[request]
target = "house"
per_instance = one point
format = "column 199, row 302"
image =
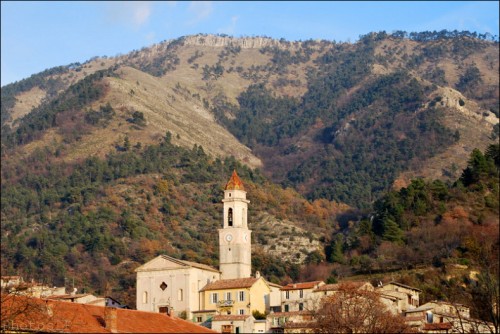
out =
column 408, row 297
column 299, row 296
column 295, row 321
column 274, row 297
column 444, row 317
column 111, row 302
column 233, row 323
column 81, row 298
column 16, row 284
column 330, row 289
column 21, row 314
column 237, row 296
column 10, row 281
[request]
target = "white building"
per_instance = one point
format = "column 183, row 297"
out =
column 165, row 283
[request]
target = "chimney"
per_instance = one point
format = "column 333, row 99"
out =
column 110, row 319
column 171, row 312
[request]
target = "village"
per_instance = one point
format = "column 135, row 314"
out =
column 176, row 296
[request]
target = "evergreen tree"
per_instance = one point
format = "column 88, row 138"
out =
column 392, row 232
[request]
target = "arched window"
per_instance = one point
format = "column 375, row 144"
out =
column 145, row 297
column 230, row 217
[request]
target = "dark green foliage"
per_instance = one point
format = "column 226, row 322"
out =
column 137, row 118
column 101, row 117
column 468, row 81
column 480, row 166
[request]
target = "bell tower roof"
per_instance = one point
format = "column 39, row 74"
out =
column 234, row 183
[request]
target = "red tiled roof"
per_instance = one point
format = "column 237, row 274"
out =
column 335, row 287
column 230, row 317
column 43, row 315
column 438, row 326
column 299, row 286
column 234, row 183
column 234, row 283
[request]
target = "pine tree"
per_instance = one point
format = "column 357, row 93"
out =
column 392, row 232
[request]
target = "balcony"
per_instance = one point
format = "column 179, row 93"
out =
column 225, row 303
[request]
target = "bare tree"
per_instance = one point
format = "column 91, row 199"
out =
column 352, row 310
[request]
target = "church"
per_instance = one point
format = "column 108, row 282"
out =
column 228, row 295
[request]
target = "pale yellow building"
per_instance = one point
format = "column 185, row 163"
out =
column 237, row 296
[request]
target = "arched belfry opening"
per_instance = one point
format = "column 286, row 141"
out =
column 230, row 217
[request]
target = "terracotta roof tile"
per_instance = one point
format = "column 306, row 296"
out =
column 335, row 287
column 234, row 283
column 45, row 315
column 234, row 183
column 438, row 326
column 299, row 286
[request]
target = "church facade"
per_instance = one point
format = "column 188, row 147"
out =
column 165, row 284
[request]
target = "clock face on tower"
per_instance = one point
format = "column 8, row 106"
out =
column 229, row 237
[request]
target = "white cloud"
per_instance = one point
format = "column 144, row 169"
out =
column 141, row 12
column 136, row 13
column 200, row 11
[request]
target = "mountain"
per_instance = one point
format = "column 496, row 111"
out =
column 390, row 107
column 108, row 163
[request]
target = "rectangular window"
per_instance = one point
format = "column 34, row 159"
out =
column 180, row 295
column 301, row 293
column 286, row 308
column 241, row 311
column 287, row 294
column 301, row 307
column 228, row 295
column 241, row 296
column 199, row 319
column 214, row 298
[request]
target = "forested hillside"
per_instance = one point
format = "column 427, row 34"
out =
column 352, row 155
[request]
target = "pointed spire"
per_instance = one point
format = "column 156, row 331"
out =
column 234, row 183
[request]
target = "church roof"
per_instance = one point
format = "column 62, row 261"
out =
column 199, row 265
column 234, row 183
column 234, row 283
column 165, row 262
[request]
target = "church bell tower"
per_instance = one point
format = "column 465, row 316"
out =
column 234, row 236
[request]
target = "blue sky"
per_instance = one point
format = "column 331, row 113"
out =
column 42, row 34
